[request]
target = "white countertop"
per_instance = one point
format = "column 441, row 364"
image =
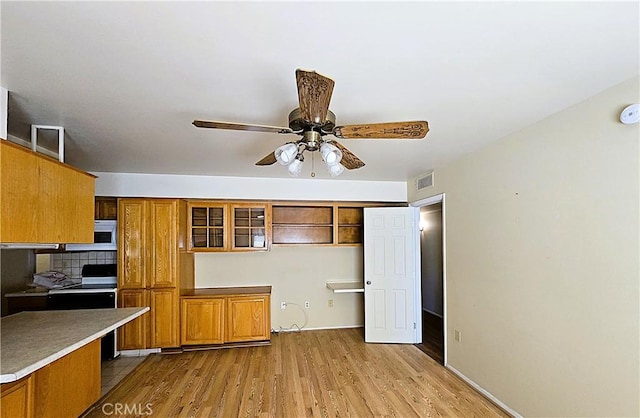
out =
column 31, row 340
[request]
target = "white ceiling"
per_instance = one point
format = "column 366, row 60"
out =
column 126, row 79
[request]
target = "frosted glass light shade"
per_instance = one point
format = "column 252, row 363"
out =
column 330, row 154
column 286, row 153
column 295, row 167
column 335, row 169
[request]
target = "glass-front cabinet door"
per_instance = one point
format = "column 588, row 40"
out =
column 250, row 227
column 207, row 227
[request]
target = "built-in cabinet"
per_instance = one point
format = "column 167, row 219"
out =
column 151, row 268
column 245, row 226
column 318, row 224
column 229, row 226
column 43, row 200
column 226, row 315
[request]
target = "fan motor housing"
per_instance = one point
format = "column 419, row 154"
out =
column 297, row 122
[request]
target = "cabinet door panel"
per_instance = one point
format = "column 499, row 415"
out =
column 202, row 321
column 131, row 244
column 20, row 187
column 248, row 318
column 69, row 385
column 164, row 318
column 70, row 197
column 16, row 398
column 133, row 335
column 162, row 241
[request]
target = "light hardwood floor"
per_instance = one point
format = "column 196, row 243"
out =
column 312, row 373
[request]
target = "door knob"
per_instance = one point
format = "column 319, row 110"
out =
column 368, row 281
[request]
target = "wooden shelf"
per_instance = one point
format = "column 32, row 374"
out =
column 346, row 287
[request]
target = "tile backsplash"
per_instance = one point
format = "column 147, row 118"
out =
column 71, row 263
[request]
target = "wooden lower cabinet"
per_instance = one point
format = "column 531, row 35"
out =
column 164, row 318
column 63, row 389
column 70, row 385
column 219, row 319
column 133, row 335
column 248, row 318
column 202, row 321
column 16, row 398
column 156, row 329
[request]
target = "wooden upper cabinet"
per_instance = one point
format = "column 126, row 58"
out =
column 162, row 243
column 318, row 224
column 350, row 226
column 147, row 243
column 43, row 200
column 224, row 226
column 302, row 224
column 106, row 208
column 250, row 227
column 208, row 226
column 131, row 243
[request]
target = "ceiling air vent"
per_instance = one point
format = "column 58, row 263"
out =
column 425, row 181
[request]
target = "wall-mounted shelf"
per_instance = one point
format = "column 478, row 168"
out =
column 346, row 287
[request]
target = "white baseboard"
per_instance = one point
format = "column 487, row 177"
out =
column 317, row 328
column 485, row 393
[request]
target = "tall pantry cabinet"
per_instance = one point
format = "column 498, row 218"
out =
column 152, row 264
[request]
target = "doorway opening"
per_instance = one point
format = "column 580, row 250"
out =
column 432, row 278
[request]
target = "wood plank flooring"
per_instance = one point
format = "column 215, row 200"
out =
column 327, row 373
column 432, row 337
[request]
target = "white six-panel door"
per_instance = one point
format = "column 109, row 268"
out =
column 391, row 275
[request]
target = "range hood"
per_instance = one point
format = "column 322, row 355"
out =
column 29, row 246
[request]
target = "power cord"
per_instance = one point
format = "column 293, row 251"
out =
column 298, row 328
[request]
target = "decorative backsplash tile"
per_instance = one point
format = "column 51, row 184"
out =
column 71, row 263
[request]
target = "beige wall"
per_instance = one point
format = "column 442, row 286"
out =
column 542, row 262
column 297, row 274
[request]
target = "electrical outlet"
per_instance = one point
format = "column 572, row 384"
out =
column 331, row 303
column 306, row 304
column 457, row 335
column 283, row 305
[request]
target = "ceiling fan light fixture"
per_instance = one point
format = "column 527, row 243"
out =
column 286, row 153
column 296, row 166
column 330, row 154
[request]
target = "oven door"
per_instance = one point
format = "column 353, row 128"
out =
column 80, row 300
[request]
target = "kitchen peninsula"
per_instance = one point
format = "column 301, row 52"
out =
column 45, row 353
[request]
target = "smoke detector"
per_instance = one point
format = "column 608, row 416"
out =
column 630, row 114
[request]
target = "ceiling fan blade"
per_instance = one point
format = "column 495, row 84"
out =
column 241, row 127
column 390, row 130
column 349, row 160
column 314, row 95
column 268, row 160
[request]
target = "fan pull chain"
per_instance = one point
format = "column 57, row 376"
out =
column 313, row 159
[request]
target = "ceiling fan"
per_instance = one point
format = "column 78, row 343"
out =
column 314, row 122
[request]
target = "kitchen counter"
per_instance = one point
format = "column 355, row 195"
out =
column 32, row 340
column 222, row 291
column 36, row 291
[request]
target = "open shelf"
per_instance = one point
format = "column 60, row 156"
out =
column 346, row 287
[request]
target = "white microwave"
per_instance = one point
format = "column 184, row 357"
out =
column 104, row 238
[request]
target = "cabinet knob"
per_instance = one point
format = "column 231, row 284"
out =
column 368, row 281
